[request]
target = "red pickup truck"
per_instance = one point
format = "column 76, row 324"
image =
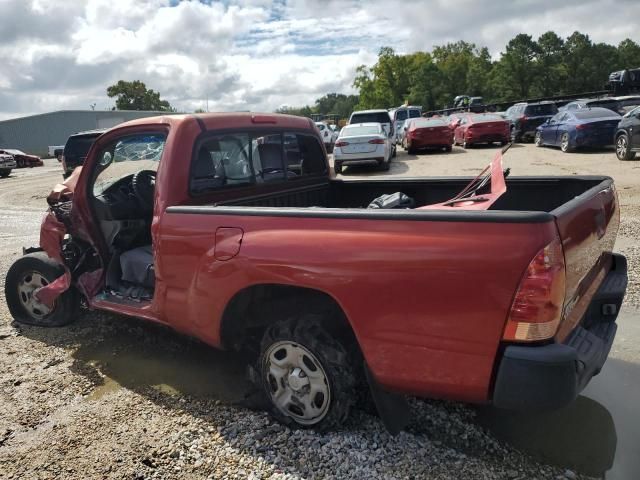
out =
column 231, row 228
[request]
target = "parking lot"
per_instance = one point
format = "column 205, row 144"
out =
column 112, row 397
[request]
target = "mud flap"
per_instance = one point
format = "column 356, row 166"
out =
column 393, row 408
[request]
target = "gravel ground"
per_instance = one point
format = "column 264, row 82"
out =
column 110, row 397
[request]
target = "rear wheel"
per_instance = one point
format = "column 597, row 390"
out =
column 20, row 163
column 448, row 148
column 306, row 374
column 4, row 173
column 565, row 145
column 623, row 150
column 337, row 167
column 465, row 144
column 26, row 275
column 538, row 139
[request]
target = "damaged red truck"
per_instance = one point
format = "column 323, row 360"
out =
column 230, row 228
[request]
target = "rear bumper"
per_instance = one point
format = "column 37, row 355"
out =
column 551, row 376
column 487, row 137
column 367, row 161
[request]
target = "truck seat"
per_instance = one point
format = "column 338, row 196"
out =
column 137, row 266
column 271, row 161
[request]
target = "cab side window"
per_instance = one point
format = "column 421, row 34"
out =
column 220, row 161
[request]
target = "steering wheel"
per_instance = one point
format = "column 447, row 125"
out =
column 144, row 185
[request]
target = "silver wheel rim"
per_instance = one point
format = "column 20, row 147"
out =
column 27, row 285
column 297, row 383
column 538, row 140
column 564, row 145
column 621, row 147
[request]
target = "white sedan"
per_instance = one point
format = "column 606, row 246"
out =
column 362, row 144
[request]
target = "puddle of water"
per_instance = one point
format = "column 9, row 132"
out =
column 109, row 386
column 194, row 370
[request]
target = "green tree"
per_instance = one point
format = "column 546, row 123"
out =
column 578, row 51
column 517, row 67
column 551, row 72
column 136, row 96
column 628, row 54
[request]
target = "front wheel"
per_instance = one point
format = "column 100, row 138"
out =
column 538, row 139
column 306, row 374
column 25, row 276
column 623, row 152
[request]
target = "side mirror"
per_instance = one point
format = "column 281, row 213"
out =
column 106, row 159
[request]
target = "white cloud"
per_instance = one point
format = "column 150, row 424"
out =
column 252, row 54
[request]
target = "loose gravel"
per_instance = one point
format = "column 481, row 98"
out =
column 110, row 397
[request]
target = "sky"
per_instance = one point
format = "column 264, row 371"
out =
column 253, row 55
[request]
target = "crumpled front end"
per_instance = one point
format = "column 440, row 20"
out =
column 61, row 242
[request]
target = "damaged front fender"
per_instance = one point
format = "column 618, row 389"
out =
column 52, row 232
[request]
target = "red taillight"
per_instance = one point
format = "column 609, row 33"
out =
column 537, row 307
column 341, row 143
column 377, row 141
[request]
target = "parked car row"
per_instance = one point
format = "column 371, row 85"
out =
column 7, row 163
column 22, row 159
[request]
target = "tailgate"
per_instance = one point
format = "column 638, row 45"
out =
column 588, row 225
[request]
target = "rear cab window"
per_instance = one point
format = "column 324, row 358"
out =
column 252, row 158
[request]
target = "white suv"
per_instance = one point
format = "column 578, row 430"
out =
column 327, row 136
column 376, row 116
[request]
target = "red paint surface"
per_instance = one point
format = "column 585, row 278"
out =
column 476, row 131
column 425, row 137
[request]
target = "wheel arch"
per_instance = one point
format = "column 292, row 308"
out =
column 253, row 308
column 620, row 133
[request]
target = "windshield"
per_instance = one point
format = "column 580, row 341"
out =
column 596, row 112
column 401, row 115
column 381, row 117
column 78, row 147
column 360, row 130
column 541, row 110
column 127, row 156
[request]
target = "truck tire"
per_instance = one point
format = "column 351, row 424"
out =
column 24, row 276
column 623, row 150
column 307, row 375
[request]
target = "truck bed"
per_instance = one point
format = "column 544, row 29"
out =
column 531, row 194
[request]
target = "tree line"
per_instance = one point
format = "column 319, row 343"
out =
column 527, row 68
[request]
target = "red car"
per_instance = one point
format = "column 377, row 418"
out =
column 23, row 159
column 472, row 129
column 231, row 228
column 424, row 133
